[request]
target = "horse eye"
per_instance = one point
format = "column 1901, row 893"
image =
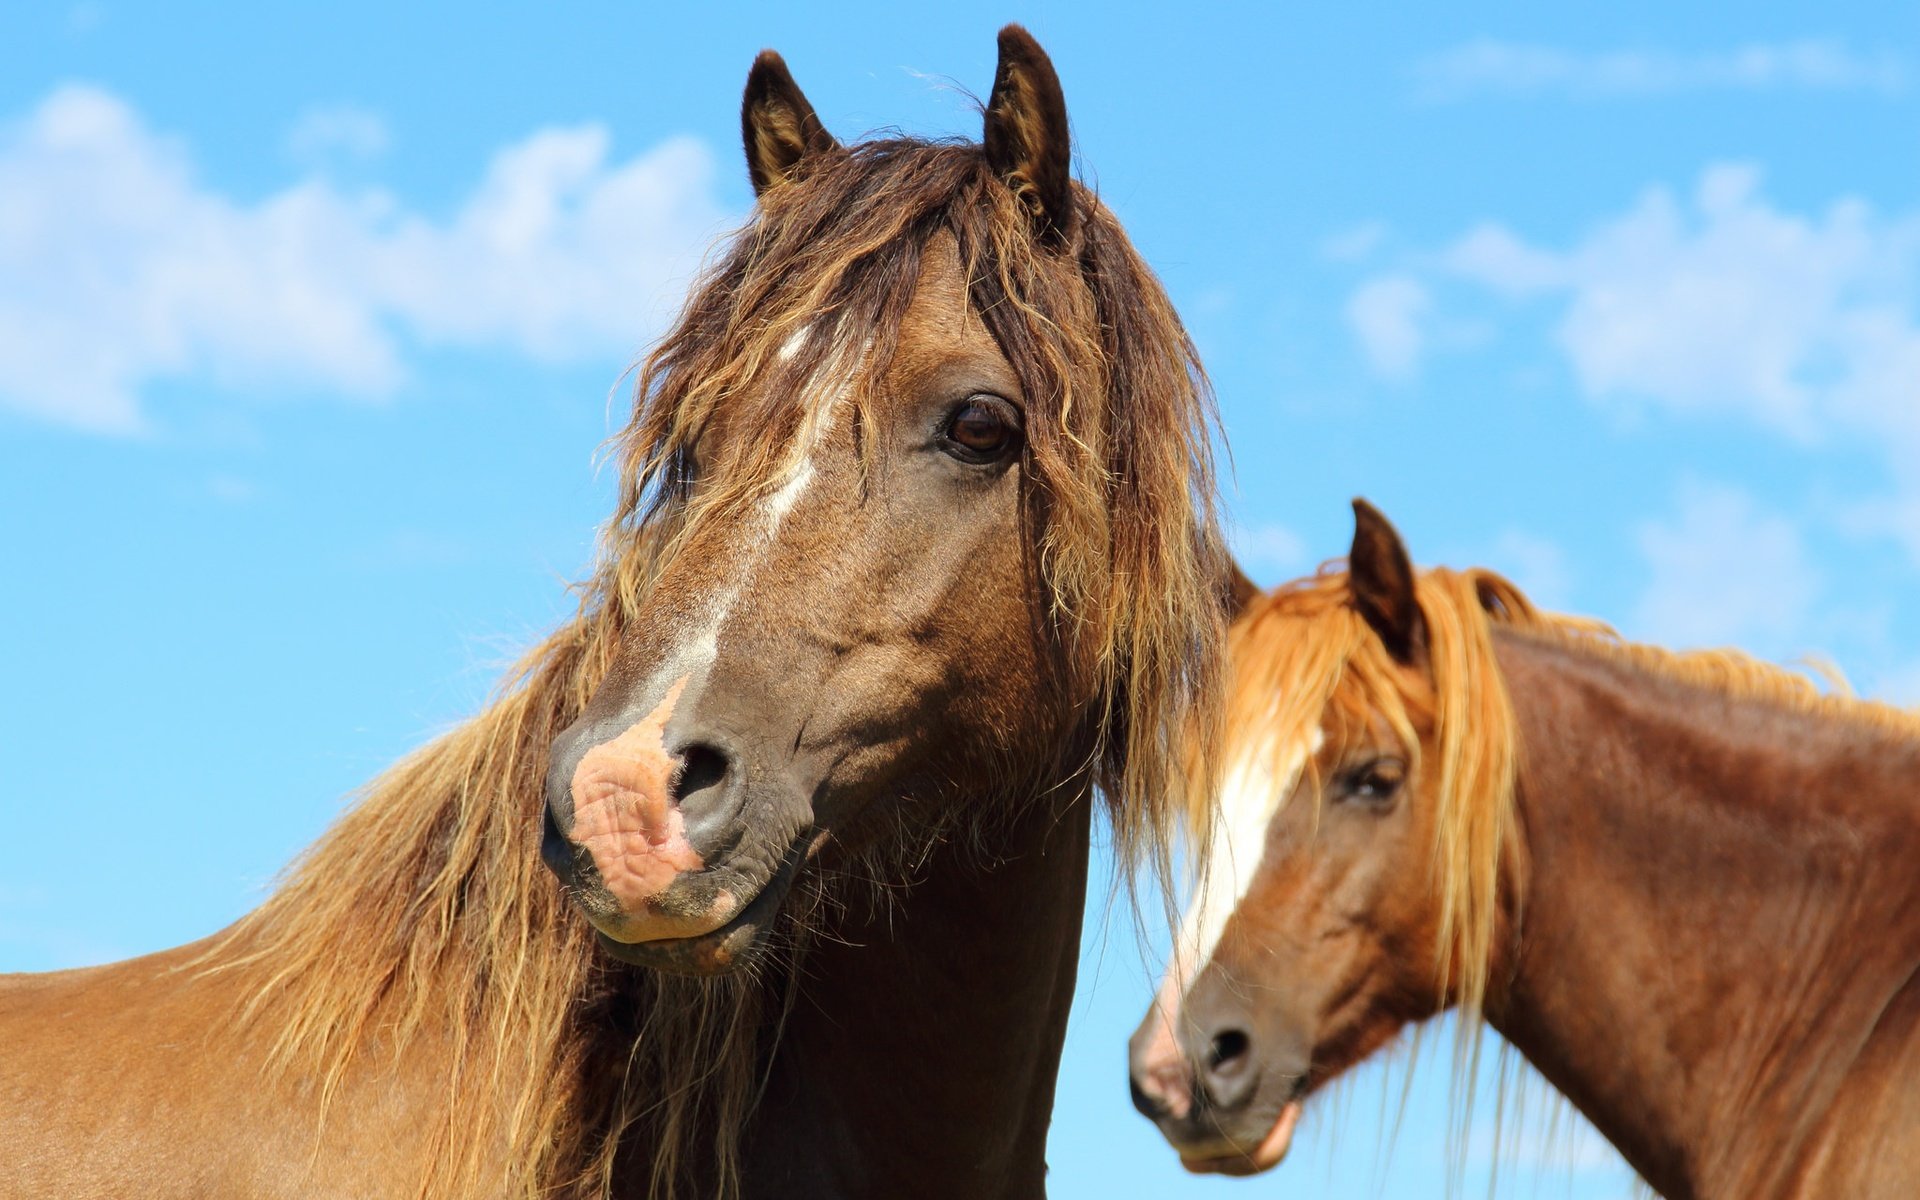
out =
column 1377, row 782
column 981, row 430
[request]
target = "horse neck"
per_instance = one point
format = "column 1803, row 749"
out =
column 919, row 1055
column 1688, row 966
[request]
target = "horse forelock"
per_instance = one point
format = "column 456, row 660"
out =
column 424, row 912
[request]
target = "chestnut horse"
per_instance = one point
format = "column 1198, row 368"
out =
column 1686, row 887
column 915, row 550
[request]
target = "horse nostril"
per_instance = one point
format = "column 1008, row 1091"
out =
column 1227, row 1053
column 701, row 767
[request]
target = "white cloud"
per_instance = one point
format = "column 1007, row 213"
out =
column 1489, row 66
column 337, row 130
column 1492, row 256
column 1719, row 304
column 1729, row 304
column 1537, row 565
column 1268, row 553
column 1356, row 242
column 232, row 489
column 1724, row 572
column 1388, row 316
column 119, row 267
column 1897, row 683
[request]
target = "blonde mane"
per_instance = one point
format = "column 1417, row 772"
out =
column 1302, row 659
column 424, row 917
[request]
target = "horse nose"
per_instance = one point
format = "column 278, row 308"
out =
column 1225, row 1066
column 707, row 790
column 1159, row 1077
column 1146, row 1101
column 635, row 804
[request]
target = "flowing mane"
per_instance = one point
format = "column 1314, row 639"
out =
column 1302, row 658
column 424, row 913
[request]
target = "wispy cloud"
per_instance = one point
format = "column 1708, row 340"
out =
column 1489, row 67
column 1356, row 243
column 120, row 267
column 35, row 936
column 1729, row 303
column 333, row 131
column 1388, row 315
column 1725, row 572
column 1718, row 304
column 1537, row 565
column 1268, row 553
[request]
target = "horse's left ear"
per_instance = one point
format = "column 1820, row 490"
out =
column 778, row 124
column 1381, row 576
column 1027, row 142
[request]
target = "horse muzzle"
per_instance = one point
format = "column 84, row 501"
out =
column 648, row 830
column 1202, row 1076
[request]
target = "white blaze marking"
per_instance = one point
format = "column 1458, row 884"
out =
column 701, row 644
column 781, row 500
column 796, row 342
column 1250, row 799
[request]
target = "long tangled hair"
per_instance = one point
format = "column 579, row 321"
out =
column 424, row 915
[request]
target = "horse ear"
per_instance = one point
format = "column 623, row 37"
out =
column 1027, row 142
column 1240, row 591
column 1381, row 577
column 777, row 124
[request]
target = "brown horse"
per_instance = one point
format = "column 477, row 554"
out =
column 915, row 550
column 1685, row 887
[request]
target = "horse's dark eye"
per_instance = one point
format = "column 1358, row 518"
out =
column 984, row 429
column 1376, row 783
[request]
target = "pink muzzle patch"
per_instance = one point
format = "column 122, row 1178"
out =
column 1160, row 1068
column 624, row 813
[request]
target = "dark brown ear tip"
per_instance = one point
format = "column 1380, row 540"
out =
column 1363, row 510
column 769, row 70
column 1015, row 41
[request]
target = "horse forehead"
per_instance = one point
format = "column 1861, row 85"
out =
column 940, row 321
column 1261, row 777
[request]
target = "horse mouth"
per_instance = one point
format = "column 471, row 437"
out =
column 718, row 951
column 1263, row 1157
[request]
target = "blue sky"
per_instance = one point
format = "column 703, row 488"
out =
column 310, row 324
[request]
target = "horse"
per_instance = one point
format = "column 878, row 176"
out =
column 914, row 564
column 1681, row 885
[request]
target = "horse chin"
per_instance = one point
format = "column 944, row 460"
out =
column 721, row 951
column 1263, row 1157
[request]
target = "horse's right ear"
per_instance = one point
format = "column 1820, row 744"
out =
column 777, row 124
column 1381, row 577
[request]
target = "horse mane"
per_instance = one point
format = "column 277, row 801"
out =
column 424, row 913
column 1302, row 658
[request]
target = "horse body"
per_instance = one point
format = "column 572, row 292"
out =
column 915, row 550
column 1682, row 885
column 918, row 1058
column 115, row 1082
column 1718, row 949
